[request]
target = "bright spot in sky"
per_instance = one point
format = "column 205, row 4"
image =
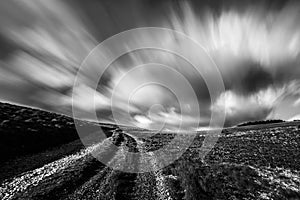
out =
column 142, row 119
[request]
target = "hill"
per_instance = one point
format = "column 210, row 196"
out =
column 43, row 158
column 26, row 130
column 271, row 121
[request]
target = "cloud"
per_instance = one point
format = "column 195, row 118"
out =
column 297, row 102
column 256, row 33
column 255, row 106
column 296, row 117
column 256, row 48
column 239, row 108
column 249, row 78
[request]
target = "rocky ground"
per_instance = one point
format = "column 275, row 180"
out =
column 43, row 158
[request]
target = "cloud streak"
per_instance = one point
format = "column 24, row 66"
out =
column 255, row 47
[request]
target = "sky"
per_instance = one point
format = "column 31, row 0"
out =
column 255, row 46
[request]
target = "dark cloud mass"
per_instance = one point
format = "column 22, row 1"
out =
column 250, row 78
column 254, row 44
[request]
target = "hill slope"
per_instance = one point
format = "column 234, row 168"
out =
column 44, row 159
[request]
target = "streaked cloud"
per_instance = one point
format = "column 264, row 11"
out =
column 255, row 47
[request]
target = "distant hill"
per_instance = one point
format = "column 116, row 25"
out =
column 271, row 121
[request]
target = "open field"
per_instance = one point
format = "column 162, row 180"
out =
column 51, row 163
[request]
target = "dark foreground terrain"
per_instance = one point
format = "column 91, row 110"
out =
column 43, row 158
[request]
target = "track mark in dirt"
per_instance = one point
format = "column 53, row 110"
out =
column 103, row 184
column 31, row 162
column 161, row 187
column 153, row 181
column 47, row 180
column 127, row 180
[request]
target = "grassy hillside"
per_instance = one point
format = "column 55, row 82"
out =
column 27, row 131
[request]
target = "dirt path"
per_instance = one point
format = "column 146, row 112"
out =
column 63, row 173
column 81, row 176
